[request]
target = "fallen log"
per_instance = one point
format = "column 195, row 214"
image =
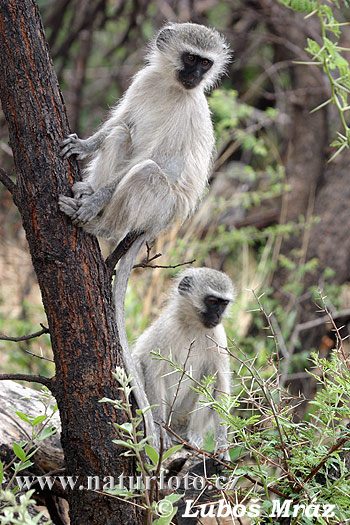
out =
column 16, row 397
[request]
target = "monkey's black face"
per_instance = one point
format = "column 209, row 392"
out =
column 194, row 67
column 214, row 309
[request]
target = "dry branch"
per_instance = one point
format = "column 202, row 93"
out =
column 44, row 330
column 46, row 381
column 7, row 182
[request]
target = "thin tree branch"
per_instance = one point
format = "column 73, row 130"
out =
column 122, row 248
column 312, row 324
column 7, row 182
column 28, row 377
column 26, row 337
column 171, row 409
column 149, row 259
column 38, row 356
column 145, row 265
column 335, row 447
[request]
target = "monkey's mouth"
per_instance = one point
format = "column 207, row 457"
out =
column 210, row 323
column 188, row 84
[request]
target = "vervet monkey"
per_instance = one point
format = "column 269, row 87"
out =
column 151, row 159
column 190, row 330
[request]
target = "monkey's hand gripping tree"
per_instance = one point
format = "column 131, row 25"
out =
column 72, row 276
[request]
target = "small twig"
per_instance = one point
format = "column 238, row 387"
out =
column 145, row 265
column 313, row 324
column 183, row 374
column 335, row 447
column 125, row 244
column 38, row 356
column 149, row 259
column 7, row 182
column 26, row 337
column 270, row 326
column 339, row 346
column 47, row 381
column 295, row 335
column 279, row 336
column 148, row 248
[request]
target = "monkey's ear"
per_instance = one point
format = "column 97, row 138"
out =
column 164, row 37
column 185, row 285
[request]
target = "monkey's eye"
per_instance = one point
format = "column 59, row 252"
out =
column 206, row 64
column 190, row 59
column 212, row 300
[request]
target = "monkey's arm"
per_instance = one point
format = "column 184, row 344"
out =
column 73, row 145
column 82, row 148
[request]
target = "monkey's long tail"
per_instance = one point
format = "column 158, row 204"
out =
column 120, row 284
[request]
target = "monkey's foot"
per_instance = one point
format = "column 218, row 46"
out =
column 82, row 189
column 68, row 205
column 73, row 145
column 87, row 209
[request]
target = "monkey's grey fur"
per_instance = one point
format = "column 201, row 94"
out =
column 151, row 159
column 178, row 329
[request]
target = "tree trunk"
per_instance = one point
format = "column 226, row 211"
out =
column 71, row 273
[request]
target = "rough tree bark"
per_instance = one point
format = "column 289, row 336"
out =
column 71, row 273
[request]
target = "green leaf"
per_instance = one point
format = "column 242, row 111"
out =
column 124, row 444
column 38, row 420
column 25, row 465
column 47, row 432
column 18, row 450
column 165, row 520
column 127, row 427
column 173, row 498
column 171, row 451
column 152, row 454
column 24, row 417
